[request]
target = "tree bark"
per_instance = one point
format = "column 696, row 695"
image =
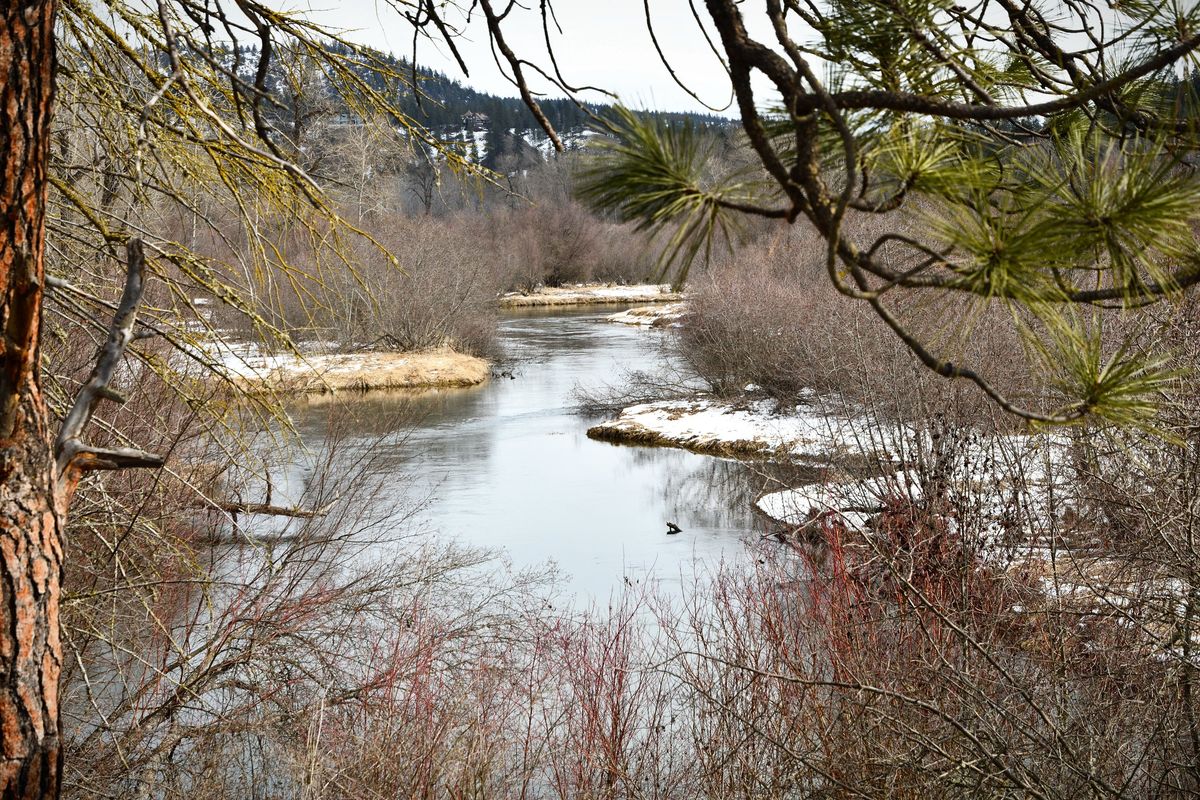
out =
column 32, row 504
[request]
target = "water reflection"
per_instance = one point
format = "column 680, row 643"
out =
column 508, row 464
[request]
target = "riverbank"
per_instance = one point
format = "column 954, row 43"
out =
column 334, row 372
column 751, row 428
column 584, row 295
column 1010, row 503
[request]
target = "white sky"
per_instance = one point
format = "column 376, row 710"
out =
column 603, row 43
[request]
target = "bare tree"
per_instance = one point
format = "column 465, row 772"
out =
column 32, row 502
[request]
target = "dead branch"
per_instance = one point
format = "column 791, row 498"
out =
column 72, row 455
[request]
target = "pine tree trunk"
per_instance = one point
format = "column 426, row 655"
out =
column 31, row 508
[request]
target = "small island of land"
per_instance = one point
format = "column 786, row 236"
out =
column 751, row 428
column 440, row 368
column 317, row 374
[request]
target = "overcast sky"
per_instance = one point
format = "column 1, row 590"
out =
column 602, row 43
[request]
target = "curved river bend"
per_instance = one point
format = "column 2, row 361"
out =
column 508, row 465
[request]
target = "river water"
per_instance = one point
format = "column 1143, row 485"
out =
column 508, row 465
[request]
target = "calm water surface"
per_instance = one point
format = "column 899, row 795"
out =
column 508, row 465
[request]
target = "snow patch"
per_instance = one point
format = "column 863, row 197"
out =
column 584, row 294
column 658, row 316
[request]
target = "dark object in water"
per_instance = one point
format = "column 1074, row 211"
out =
column 673, row 528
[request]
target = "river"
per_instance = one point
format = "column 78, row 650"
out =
column 507, row 465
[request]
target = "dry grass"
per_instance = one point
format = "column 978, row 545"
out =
column 365, row 371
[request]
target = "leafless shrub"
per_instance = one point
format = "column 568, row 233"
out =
column 424, row 282
column 766, row 315
column 555, row 244
column 418, row 284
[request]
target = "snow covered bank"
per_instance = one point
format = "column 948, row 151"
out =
column 591, row 295
column 1016, row 517
column 658, row 316
column 320, row 373
column 1011, row 483
column 751, row 429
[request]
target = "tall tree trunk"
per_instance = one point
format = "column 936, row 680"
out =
column 31, row 508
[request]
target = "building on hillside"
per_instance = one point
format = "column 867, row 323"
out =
column 475, row 121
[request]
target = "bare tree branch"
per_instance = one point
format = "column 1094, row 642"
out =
column 71, row 454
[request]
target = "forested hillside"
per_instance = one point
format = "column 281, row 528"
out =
column 490, row 127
